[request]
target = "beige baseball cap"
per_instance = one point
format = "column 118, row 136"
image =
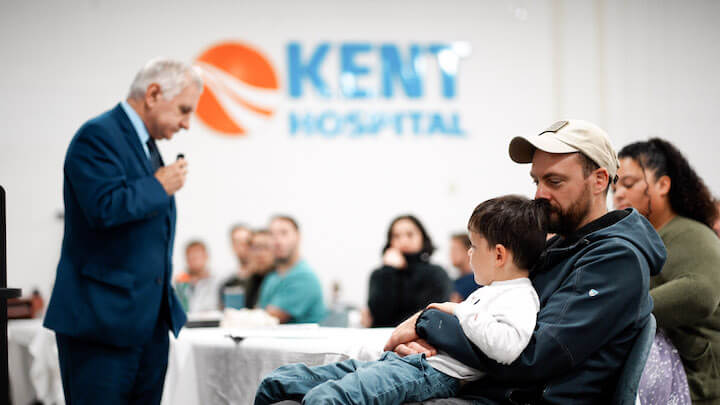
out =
column 567, row 137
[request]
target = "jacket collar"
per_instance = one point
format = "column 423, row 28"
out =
column 131, row 136
column 558, row 247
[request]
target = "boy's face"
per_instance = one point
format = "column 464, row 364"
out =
column 482, row 259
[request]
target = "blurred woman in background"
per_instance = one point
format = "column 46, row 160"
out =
column 407, row 281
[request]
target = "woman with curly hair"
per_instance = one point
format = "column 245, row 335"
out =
column 657, row 180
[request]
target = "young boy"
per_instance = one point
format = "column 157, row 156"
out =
column 507, row 235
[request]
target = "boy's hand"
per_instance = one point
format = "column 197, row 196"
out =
column 447, row 307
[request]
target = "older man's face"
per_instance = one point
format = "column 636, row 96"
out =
column 166, row 117
column 560, row 181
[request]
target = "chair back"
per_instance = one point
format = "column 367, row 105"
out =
column 627, row 388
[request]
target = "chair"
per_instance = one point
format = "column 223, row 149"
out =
column 627, row 388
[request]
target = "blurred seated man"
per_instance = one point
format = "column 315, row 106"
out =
column 292, row 293
column 196, row 287
column 464, row 285
column 240, row 239
column 262, row 262
column 232, row 290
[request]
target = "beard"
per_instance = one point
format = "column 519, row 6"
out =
column 565, row 222
column 282, row 260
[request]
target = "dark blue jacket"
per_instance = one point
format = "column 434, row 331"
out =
column 593, row 289
column 113, row 279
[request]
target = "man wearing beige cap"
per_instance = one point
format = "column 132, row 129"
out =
column 555, row 154
column 592, row 281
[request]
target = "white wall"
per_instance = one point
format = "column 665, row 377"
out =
column 636, row 68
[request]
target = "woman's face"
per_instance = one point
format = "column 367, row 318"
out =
column 406, row 237
column 632, row 188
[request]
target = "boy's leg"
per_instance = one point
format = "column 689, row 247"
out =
column 391, row 380
column 293, row 381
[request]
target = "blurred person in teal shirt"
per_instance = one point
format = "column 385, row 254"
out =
column 292, row 293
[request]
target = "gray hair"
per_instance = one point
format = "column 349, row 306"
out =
column 172, row 76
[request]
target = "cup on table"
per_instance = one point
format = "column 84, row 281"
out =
column 234, row 297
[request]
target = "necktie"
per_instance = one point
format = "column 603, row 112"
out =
column 155, row 158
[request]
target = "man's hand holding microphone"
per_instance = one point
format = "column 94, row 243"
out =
column 172, row 177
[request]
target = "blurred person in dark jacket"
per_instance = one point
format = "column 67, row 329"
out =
column 407, row 281
column 465, row 284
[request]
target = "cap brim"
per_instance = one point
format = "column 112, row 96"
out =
column 522, row 149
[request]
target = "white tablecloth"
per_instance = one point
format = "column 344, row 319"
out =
column 33, row 363
column 205, row 365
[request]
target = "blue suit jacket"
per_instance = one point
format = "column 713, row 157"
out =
column 113, row 279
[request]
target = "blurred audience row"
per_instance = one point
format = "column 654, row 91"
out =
column 271, row 275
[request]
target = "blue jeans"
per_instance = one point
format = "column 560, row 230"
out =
column 390, row 380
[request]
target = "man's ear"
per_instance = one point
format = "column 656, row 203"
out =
column 152, row 94
column 601, row 179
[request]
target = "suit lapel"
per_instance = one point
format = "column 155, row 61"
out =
column 131, row 137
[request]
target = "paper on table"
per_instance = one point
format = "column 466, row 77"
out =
column 204, row 316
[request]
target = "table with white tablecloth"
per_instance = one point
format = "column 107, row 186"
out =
column 205, row 366
column 33, row 363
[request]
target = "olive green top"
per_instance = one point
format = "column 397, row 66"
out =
column 686, row 295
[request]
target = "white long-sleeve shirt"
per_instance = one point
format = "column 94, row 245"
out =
column 499, row 319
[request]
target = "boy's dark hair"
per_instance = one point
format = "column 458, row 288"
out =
column 462, row 237
column 514, row 222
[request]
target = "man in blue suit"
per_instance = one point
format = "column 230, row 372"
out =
column 113, row 303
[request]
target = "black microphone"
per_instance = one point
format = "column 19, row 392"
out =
column 180, row 156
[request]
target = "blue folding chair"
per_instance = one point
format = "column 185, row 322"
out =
column 627, row 388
